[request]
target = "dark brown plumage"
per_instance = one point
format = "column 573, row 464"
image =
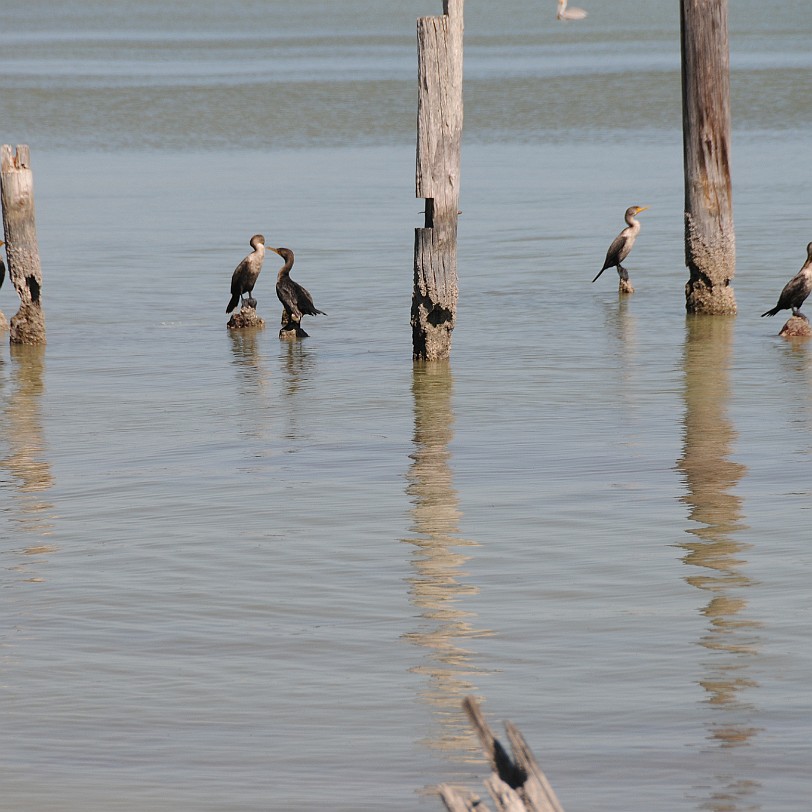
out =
column 797, row 290
column 295, row 299
column 622, row 244
column 246, row 273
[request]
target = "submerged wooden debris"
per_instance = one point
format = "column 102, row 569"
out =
column 517, row 784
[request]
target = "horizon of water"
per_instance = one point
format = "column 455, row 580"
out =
column 246, row 574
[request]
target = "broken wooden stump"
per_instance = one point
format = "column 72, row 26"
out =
column 796, row 327
column 517, row 784
column 246, row 317
column 439, row 136
column 291, row 327
column 625, row 286
column 25, row 273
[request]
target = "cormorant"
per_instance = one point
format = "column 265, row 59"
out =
column 796, row 290
column 246, row 274
column 622, row 244
column 295, row 299
column 565, row 13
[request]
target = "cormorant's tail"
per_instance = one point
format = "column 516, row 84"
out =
column 601, row 271
column 233, row 303
column 771, row 312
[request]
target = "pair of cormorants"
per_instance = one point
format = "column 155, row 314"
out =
column 296, row 301
column 794, row 294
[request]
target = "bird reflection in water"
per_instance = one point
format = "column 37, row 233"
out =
column 436, row 585
column 252, row 378
column 715, row 555
column 298, row 369
column 23, row 453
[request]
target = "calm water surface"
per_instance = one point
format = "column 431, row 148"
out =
column 241, row 574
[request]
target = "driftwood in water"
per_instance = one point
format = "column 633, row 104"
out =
column 710, row 244
column 245, row 317
column 517, row 784
column 439, row 135
column 17, row 192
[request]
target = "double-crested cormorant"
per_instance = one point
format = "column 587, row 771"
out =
column 796, row 290
column 622, row 244
column 246, row 274
column 572, row 13
column 295, row 299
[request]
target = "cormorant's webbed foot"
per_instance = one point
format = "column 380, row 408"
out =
column 622, row 273
column 797, row 312
column 251, row 302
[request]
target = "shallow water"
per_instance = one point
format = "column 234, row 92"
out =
column 244, row 574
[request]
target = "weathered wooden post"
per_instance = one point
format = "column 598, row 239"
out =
column 710, row 245
column 439, row 136
column 17, row 193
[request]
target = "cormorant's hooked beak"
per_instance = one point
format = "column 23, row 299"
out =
column 271, row 248
column 641, row 208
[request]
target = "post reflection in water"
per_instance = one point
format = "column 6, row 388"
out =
column 436, row 585
column 23, row 454
column 714, row 555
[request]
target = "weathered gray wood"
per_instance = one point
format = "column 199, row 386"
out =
column 17, row 194
column 439, row 136
column 516, row 785
column 710, row 245
column 460, row 800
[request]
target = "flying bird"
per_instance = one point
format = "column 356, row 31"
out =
column 246, row 274
column 796, row 290
column 295, row 299
column 571, row 13
column 622, row 244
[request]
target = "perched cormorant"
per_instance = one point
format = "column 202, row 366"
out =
column 295, row 299
column 246, row 274
column 565, row 13
column 2, row 267
column 796, row 290
column 622, row 244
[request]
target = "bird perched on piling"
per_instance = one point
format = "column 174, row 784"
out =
column 622, row 244
column 572, row 13
column 246, row 274
column 797, row 290
column 295, row 299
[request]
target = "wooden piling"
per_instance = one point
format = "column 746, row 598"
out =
column 17, row 194
column 439, row 136
column 710, row 245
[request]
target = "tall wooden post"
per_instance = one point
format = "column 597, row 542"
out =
column 439, row 136
column 710, row 245
column 17, row 194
